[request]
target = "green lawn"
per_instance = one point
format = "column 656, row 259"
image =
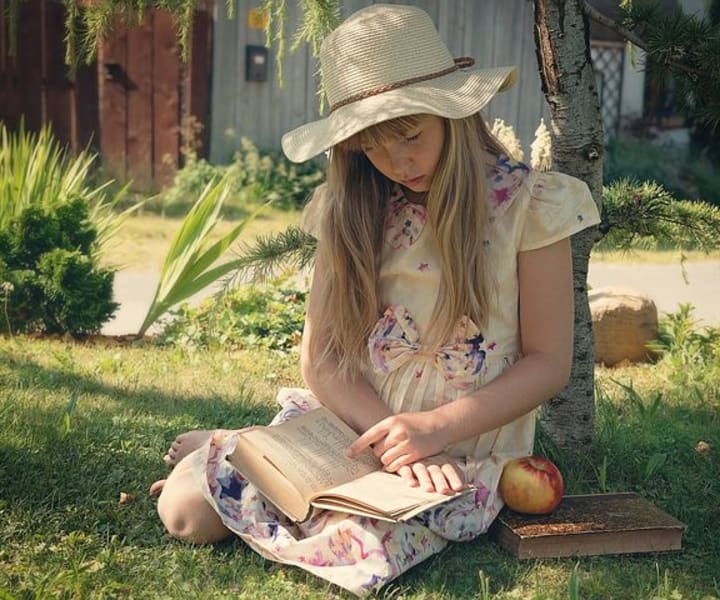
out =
column 143, row 239
column 81, row 424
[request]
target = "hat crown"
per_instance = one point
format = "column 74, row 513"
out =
column 379, row 46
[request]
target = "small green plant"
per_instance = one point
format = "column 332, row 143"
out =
column 693, row 352
column 7, row 289
column 574, row 584
column 269, row 316
column 484, row 585
column 35, row 170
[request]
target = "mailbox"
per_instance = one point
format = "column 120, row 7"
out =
column 256, row 63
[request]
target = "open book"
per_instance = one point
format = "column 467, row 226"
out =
column 302, row 464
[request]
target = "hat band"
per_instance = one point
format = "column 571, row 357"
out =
column 460, row 63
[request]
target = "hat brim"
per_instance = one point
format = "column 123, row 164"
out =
column 454, row 96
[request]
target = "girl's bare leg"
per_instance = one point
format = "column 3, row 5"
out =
column 183, row 509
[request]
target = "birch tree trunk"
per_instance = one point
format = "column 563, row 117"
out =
column 563, row 54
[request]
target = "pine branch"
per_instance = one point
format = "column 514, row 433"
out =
column 257, row 262
column 646, row 215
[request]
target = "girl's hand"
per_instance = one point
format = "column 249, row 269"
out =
column 439, row 473
column 401, row 439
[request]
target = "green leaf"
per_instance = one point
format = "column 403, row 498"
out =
column 187, row 268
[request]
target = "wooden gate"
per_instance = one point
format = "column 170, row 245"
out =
column 147, row 94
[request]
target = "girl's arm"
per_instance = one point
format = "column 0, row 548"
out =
column 546, row 330
column 355, row 402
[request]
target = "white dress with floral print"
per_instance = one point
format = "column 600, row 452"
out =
column 528, row 210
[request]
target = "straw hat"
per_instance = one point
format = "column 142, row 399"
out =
column 388, row 61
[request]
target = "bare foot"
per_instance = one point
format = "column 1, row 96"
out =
column 157, row 487
column 184, row 444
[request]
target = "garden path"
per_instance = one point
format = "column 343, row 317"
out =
column 663, row 283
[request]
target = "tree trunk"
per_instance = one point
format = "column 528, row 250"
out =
column 563, row 54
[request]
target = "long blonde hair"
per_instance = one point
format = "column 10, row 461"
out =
column 351, row 237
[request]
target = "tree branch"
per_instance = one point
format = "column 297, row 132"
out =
column 630, row 36
column 606, row 21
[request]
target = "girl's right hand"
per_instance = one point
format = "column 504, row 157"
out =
column 439, row 473
column 402, row 439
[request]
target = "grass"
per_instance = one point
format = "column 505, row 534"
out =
column 651, row 256
column 81, row 424
column 143, row 239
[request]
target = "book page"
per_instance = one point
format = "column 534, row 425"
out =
column 385, row 493
column 310, row 451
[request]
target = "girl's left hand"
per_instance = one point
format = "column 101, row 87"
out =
column 439, row 473
column 401, row 439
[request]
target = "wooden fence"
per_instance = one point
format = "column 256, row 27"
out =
column 130, row 104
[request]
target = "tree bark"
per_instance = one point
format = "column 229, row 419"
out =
column 563, row 52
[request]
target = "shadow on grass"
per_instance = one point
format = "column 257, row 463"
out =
column 211, row 410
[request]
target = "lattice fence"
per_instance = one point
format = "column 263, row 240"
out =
column 608, row 59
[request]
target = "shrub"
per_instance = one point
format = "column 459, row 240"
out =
column 35, row 170
column 269, row 316
column 51, row 281
column 692, row 352
column 254, row 177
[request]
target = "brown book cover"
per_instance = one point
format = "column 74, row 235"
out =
column 591, row 524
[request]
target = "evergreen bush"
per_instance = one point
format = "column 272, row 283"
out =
column 51, row 282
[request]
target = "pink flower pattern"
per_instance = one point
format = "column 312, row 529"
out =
column 404, row 221
column 508, row 176
column 395, row 340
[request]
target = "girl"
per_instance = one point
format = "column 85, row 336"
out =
column 440, row 313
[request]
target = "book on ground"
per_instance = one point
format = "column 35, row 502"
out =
column 302, row 464
column 587, row 525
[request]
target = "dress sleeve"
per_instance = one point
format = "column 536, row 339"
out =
column 311, row 217
column 560, row 205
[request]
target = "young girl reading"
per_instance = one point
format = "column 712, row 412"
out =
column 440, row 313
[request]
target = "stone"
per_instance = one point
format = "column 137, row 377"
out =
column 624, row 321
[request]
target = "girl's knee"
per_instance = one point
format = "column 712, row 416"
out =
column 188, row 516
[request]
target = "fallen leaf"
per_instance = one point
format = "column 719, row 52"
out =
column 126, row 498
column 702, row 448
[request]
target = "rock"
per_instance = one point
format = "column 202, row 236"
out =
column 624, row 321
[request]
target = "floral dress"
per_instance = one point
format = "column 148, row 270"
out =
column 528, row 210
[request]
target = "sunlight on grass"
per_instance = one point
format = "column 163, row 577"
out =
column 143, row 240
column 65, row 533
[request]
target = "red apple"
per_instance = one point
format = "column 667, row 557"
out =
column 532, row 485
